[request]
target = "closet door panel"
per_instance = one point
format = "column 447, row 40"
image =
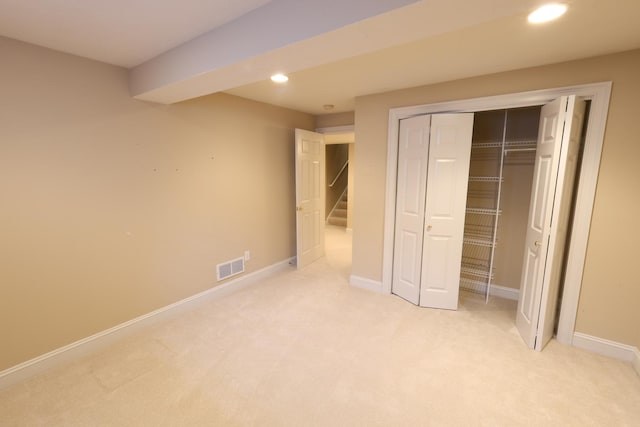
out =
column 547, row 157
column 554, row 174
column 529, row 271
column 567, row 169
column 407, row 267
column 413, row 154
column 413, row 199
column 445, row 175
column 448, row 175
column 436, row 266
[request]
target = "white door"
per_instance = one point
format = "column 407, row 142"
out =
column 310, row 180
column 557, row 151
column 448, row 176
column 413, row 159
column 433, row 171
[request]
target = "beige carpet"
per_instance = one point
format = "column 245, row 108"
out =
column 306, row 349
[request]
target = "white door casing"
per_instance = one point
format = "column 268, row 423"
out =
column 413, row 158
column 553, row 180
column 433, row 171
column 599, row 95
column 448, row 176
column 310, row 181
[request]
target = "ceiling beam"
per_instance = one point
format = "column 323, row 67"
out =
column 226, row 56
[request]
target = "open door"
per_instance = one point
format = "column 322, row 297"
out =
column 310, row 178
column 433, row 172
column 557, row 151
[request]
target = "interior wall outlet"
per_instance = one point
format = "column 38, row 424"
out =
column 247, row 255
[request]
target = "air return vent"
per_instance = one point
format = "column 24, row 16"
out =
column 230, row 268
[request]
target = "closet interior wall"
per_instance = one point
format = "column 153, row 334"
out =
column 500, row 178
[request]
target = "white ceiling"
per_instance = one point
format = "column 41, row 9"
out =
column 425, row 42
column 119, row 32
column 590, row 28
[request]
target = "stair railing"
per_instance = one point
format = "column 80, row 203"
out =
column 339, row 173
column 337, row 203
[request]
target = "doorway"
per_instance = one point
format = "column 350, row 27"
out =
column 337, row 184
column 324, row 178
column 598, row 94
column 339, row 153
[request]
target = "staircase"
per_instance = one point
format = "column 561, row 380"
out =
column 338, row 215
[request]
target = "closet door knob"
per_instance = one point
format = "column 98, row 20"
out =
column 429, row 228
column 538, row 244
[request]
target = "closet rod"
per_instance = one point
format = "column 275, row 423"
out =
column 485, row 178
column 480, row 211
column 498, row 144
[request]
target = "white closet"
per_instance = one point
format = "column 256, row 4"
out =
column 500, row 175
column 553, row 258
column 449, row 207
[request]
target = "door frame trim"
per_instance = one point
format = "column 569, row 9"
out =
column 599, row 94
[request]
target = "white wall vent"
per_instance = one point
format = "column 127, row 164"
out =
column 230, row 268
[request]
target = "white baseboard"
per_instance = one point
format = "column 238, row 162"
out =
column 496, row 290
column 608, row 348
column 368, row 284
column 102, row 339
column 504, row 292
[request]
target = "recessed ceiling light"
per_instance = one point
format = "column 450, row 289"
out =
column 547, row 13
column 279, row 78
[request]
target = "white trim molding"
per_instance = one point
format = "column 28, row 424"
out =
column 609, row 348
column 367, row 284
column 504, row 292
column 599, row 95
column 495, row 290
column 336, row 129
column 100, row 340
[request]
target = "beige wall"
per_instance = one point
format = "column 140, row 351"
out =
column 610, row 294
column 113, row 207
column 512, row 228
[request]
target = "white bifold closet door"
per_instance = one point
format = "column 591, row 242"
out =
column 554, row 173
column 433, row 172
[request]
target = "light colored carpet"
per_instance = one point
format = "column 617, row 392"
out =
column 306, row 349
